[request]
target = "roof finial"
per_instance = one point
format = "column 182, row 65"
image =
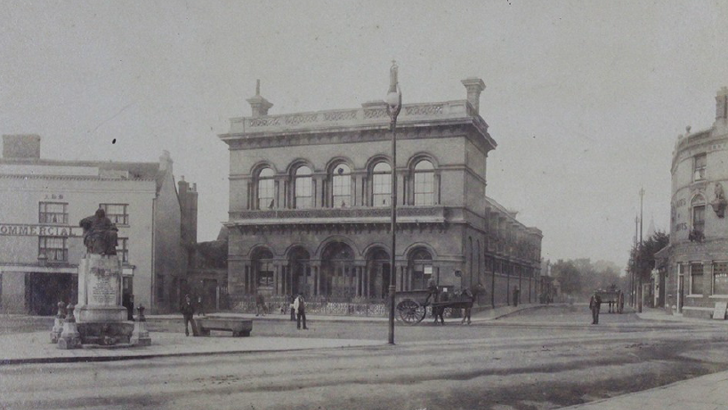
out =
column 257, row 87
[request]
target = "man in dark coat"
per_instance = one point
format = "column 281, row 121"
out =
column 300, row 305
column 188, row 311
column 595, row 303
column 260, row 308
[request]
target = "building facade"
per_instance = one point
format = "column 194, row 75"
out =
column 310, row 205
column 697, row 257
column 41, row 243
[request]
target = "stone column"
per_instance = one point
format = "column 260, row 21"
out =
column 248, row 279
column 316, row 280
column 408, row 278
column 359, row 281
column 365, row 282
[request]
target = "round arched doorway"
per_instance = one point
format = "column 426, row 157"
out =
column 420, row 264
column 300, row 271
column 378, row 270
column 337, row 272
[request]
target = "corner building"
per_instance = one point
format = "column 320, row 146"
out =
column 41, row 243
column 697, row 269
column 310, row 206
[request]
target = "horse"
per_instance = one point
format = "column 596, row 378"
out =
column 464, row 299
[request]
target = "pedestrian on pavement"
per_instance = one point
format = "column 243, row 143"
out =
column 468, row 309
column 259, row 305
column 127, row 300
column 300, row 306
column 595, row 303
column 439, row 311
column 293, row 309
column 516, row 295
column 200, row 310
column 188, row 311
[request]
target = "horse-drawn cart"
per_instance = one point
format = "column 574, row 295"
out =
column 412, row 304
column 614, row 298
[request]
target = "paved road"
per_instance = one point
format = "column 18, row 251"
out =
column 500, row 365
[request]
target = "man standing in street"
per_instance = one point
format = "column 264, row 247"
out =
column 188, row 311
column 595, row 303
column 259, row 305
column 201, row 311
column 516, row 295
column 300, row 306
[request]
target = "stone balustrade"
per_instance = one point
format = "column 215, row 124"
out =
column 369, row 114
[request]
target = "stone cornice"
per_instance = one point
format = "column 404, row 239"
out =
column 709, row 140
column 325, row 216
column 359, row 135
column 73, row 178
column 365, row 124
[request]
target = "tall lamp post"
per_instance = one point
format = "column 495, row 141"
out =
column 394, row 105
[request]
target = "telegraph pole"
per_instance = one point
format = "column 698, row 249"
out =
column 632, row 289
column 639, row 291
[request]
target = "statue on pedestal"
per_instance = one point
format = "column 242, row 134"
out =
column 99, row 234
column 719, row 203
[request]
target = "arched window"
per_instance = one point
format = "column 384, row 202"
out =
column 341, row 186
column 381, row 184
column 266, row 188
column 424, row 183
column 698, row 205
column 303, row 188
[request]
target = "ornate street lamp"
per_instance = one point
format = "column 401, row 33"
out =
column 394, row 105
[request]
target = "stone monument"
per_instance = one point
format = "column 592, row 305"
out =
column 70, row 338
column 101, row 318
column 140, row 335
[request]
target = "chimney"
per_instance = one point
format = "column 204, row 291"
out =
column 474, row 86
column 188, row 212
column 182, row 186
column 23, row 146
column 258, row 104
column 721, row 104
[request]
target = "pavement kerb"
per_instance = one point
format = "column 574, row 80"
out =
column 93, row 359
column 672, row 386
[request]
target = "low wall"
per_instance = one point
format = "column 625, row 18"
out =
column 322, row 306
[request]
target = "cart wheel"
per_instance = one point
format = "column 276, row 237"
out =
column 410, row 312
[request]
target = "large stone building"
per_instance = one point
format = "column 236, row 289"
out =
column 40, row 241
column 697, row 268
column 310, row 205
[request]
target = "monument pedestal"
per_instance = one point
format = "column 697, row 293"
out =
column 101, row 319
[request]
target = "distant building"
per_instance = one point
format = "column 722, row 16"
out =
column 310, row 205
column 697, row 257
column 41, row 243
column 207, row 274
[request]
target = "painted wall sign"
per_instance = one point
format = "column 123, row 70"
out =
column 40, row 230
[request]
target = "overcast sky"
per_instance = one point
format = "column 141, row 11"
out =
column 585, row 99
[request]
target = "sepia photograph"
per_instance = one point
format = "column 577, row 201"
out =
column 364, row 204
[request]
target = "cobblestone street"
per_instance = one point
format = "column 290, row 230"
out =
column 501, row 364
